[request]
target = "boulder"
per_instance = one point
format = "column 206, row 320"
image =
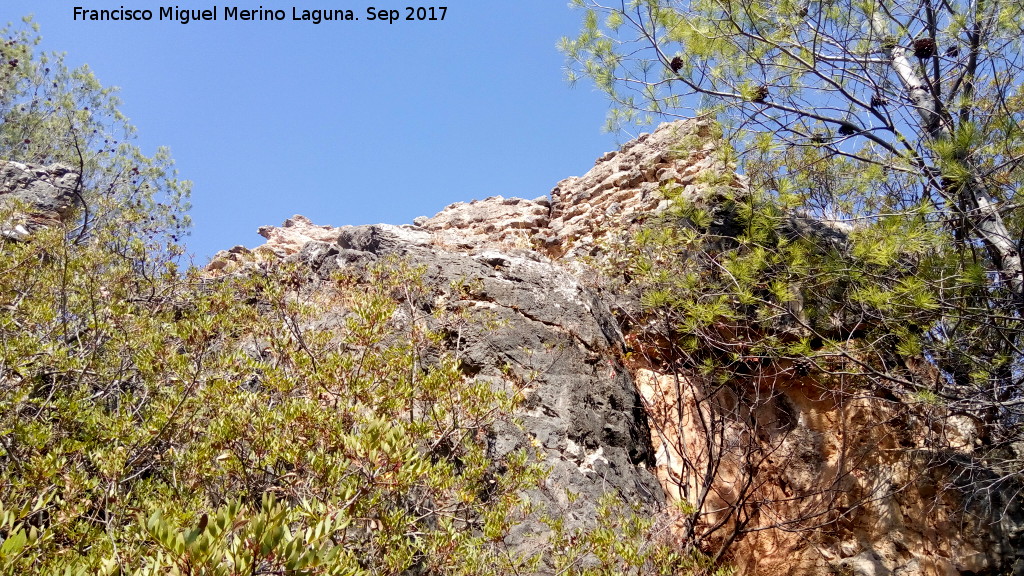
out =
column 33, row 196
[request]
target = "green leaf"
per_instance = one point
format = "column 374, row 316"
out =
column 13, row 544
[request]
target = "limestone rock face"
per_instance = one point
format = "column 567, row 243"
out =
column 494, row 222
column 530, row 326
column 845, row 485
column 623, row 188
column 294, row 234
column 41, row 195
column 626, row 186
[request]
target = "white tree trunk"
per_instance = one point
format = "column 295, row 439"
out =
column 983, row 212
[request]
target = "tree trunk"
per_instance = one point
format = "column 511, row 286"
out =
column 980, row 210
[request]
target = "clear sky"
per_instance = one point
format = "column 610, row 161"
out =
column 344, row 122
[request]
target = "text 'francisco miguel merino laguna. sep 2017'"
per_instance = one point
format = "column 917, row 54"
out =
column 261, row 14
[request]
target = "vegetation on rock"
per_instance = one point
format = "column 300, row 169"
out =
column 872, row 248
column 158, row 420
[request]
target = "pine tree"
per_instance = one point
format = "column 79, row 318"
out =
column 879, row 234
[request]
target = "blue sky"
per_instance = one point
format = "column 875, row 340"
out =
column 343, row 122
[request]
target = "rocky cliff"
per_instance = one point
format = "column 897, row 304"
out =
column 842, row 484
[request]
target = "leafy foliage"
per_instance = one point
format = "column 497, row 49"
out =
column 52, row 114
column 155, row 420
column 874, row 245
column 914, row 103
column 746, row 303
column 144, row 405
column 894, row 125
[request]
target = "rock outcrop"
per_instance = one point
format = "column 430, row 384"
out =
column 36, row 196
column 844, row 482
column 624, row 187
column 845, row 486
column 530, row 327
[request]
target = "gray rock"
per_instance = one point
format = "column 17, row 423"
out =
column 40, row 195
column 532, row 326
column 45, row 189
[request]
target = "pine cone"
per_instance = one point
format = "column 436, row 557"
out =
column 924, row 47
